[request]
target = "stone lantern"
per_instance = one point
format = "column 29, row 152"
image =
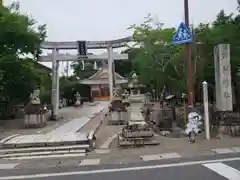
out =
column 35, row 111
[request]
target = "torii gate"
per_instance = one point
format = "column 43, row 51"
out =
column 55, row 57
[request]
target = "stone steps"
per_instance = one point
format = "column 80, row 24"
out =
column 38, row 140
column 36, row 149
column 61, row 142
column 44, row 152
column 50, row 156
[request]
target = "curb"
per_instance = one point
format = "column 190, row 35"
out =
column 91, row 118
column 91, row 135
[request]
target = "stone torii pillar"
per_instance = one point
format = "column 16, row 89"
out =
column 55, row 84
column 110, row 70
column 55, row 57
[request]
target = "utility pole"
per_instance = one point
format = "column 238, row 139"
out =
column 189, row 59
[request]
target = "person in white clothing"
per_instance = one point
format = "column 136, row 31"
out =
column 192, row 129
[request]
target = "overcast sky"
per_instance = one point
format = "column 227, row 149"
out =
column 71, row 20
column 108, row 19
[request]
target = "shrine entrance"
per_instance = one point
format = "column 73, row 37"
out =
column 55, row 57
column 100, row 92
column 104, row 93
column 99, row 83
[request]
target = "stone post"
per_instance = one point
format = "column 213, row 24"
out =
column 223, row 77
column 206, row 112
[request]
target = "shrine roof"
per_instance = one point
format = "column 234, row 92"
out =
column 103, row 74
column 89, row 82
column 101, row 77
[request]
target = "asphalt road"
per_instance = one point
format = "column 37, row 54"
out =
column 220, row 167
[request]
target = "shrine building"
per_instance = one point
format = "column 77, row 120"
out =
column 99, row 84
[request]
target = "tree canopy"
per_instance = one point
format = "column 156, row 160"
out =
column 20, row 40
column 167, row 63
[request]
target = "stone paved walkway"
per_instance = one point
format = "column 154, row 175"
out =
column 15, row 126
column 65, row 133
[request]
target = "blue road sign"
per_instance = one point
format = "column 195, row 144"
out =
column 183, row 35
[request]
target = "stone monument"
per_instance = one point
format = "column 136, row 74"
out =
column 35, row 111
column 78, row 99
column 223, row 77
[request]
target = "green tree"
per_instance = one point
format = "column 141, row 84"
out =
column 224, row 30
column 19, row 38
column 156, row 61
column 159, row 63
column 83, row 72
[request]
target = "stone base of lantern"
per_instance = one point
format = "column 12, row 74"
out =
column 35, row 120
column 77, row 103
column 118, row 118
column 137, row 98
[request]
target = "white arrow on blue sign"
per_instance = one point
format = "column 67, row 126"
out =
column 183, row 35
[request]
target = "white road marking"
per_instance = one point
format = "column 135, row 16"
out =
column 224, row 170
column 223, row 150
column 89, row 162
column 151, row 157
column 170, row 155
column 8, row 166
column 117, row 169
column 160, row 156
